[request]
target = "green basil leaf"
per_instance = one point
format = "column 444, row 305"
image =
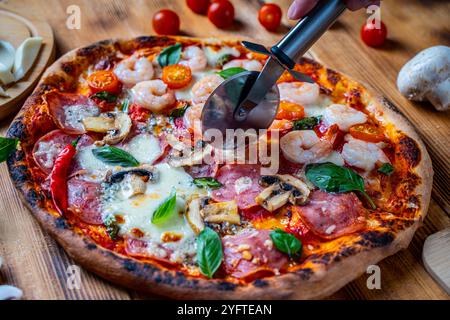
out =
column 306, row 123
column 7, row 146
column 209, row 252
column 227, row 73
column 207, row 182
column 223, row 59
column 112, row 227
column 125, row 105
column 386, row 169
column 286, row 242
column 333, row 178
column 165, row 210
column 178, row 112
column 170, row 55
column 115, row 156
column 105, row 95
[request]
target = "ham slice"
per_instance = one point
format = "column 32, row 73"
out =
column 240, row 183
column 251, row 254
column 68, row 109
column 332, row 215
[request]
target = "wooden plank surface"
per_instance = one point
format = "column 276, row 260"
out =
column 35, row 263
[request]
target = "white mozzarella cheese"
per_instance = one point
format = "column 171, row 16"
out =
column 95, row 168
column 213, row 55
column 137, row 211
column 144, row 147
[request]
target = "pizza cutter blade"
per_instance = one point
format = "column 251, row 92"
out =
column 250, row 99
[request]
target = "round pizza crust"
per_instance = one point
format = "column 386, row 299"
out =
column 321, row 276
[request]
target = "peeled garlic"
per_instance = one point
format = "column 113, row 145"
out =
column 25, row 56
column 7, row 53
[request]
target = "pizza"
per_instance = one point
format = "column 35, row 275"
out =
column 112, row 164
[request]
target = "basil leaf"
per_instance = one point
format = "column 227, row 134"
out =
column 7, row 146
column 105, row 95
column 286, row 242
column 165, row 209
column 306, row 123
column 178, row 112
column 170, row 55
column 209, row 252
column 223, row 59
column 333, row 178
column 386, row 169
column 207, row 182
column 112, row 228
column 115, row 156
column 125, row 105
column 227, row 73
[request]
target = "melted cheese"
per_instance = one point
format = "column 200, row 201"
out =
column 137, row 211
column 213, row 55
column 144, row 147
column 185, row 93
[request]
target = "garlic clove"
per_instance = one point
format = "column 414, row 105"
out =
column 25, row 56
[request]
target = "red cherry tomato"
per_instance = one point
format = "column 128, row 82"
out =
column 221, row 13
column 372, row 36
column 166, row 22
column 198, row 6
column 270, row 16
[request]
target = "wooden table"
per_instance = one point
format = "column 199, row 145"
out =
column 35, row 263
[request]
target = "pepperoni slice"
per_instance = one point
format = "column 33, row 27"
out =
column 84, row 200
column 48, row 147
column 68, row 109
column 139, row 248
column 332, row 215
column 251, row 254
column 240, row 183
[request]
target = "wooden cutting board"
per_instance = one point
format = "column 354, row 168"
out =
column 15, row 28
column 35, row 263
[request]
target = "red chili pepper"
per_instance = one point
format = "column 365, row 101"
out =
column 58, row 176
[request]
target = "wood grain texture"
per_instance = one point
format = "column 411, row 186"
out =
column 34, row 262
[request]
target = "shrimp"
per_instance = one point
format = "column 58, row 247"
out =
column 362, row 154
column 192, row 115
column 153, row 95
column 203, row 88
column 134, row 69
column 194, row 58
column 343, row 116
column 250, row 65
column 301, row 93
column 304, row 147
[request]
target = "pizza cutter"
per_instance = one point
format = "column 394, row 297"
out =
column 250, row 99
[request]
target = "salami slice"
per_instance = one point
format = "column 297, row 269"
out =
column 84, row 200
column 332, row 215
column 48, row 147
column 140, row 249
column 240, row 183
column 68, row 109
column 251, row 254
column 202, row 170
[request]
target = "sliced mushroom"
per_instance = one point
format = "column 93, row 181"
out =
column 221, row 212
column 103, row 123
column 281, row 189
column 190, row 157
column 193, row 215
column 132, row 181
column 117, row 125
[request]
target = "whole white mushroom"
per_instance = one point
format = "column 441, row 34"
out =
column 427, row 77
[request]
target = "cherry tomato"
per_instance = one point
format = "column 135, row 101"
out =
column 270, row 16
column 103, row 80
column 176, row 76
column 166, row 22
column 372, row 36
column 290, row 111
column 367, row 132
column 221, row 13
column 198, row 6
